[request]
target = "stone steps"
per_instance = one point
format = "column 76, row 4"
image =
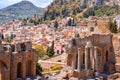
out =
column 31, row 78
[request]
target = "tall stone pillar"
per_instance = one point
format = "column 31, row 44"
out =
column 73, row 64
column 86, row 58
column 1, row 48
column 91, row 58
column 96, row 61
column 28, row 46
column 17, row 47
column 78, row 65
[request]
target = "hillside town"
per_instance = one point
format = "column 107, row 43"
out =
column 63, row 44
column 42, row 34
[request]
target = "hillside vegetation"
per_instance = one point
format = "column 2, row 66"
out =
column 102, row 11
column 79, row 8
column 63, row 8
column 22, row 9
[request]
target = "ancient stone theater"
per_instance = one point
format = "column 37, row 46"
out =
column 91, row 56
column 17, row 60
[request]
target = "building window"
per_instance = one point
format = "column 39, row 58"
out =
column 57, row 51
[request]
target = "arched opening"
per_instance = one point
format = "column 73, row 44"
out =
column 57, row 51
column 99, row 56
column 76, row 61
column 5, row 48
column 23, row 47
column 62, row 51
column 59, row 61
column 83, row 59
column 19, row 70
column 89, row 64
column 106, row 56
column 12, row 48
column 28, row 67
column 106, row 69
column 3, row 69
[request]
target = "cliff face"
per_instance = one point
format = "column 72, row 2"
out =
column 101, row 2
column 63, row 8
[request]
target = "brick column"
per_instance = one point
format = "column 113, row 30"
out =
column 24, row 66
column 33, row 66
column 13, row 72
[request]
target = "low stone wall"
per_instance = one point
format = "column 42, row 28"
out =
column 118, row 59
column 114, row 76
column 49, row 64
column 82, row 73
column 117, row 67
column 110, row 68
column 58, row 58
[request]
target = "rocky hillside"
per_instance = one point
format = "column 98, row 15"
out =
column 19, row 10
column 63, row 8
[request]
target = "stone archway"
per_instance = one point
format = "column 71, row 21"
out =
column 28, row 68
column 3, row 68
column 106, row 56
column 76, row 61
column 19, row 70
column 83, row 61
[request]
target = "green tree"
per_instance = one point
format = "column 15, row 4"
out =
column 73, row 23
column 50, row 50
column 24, row 21
column 56, row 24
column 64, row 12
column 113, row 27
column 83, row 6
column 40, row 50
column 1, row 36
column 89, row 12
column 74, row 12
column 77, row 36
column 38, row 66
column 69, row 22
